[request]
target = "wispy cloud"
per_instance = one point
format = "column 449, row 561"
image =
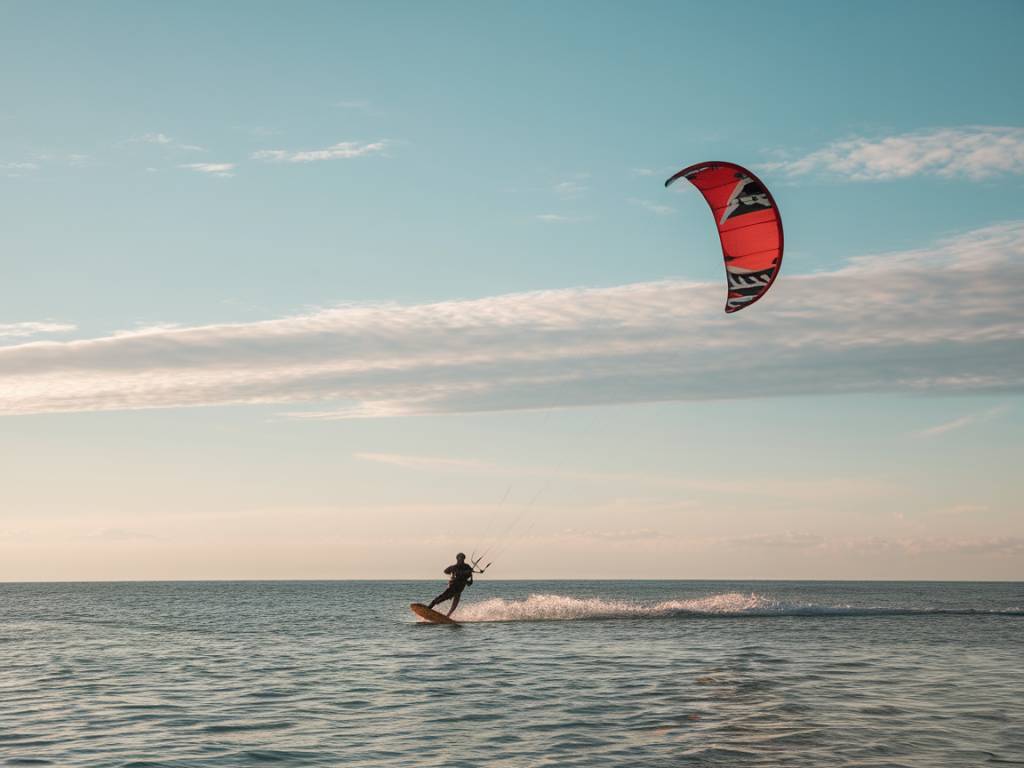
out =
column 962, row 545
column 570, row 190
column 40, row 160
column 962, row 421
column 155, row 138
column 957, row 510
column 558, row 218
column 943, row 319
column 120, row 534
column 877, row 545
column 432, row 463
column 615, row 535
column 260, row 131
column 787, row 540
column 795, row 544
column 661, row 210
column 213, row 169
column 20, row 168
column 344, row 150
column 765, row 487
column 974, row 152
column 163, row 140
column 25, row 330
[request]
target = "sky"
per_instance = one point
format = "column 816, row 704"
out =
column 335, row 290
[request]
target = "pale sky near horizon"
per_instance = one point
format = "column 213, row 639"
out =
column 326, row 290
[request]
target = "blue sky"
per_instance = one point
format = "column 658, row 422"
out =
column 289, row 287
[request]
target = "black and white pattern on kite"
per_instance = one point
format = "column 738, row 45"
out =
column 697, row 172
column 737, row 302
column 749, row 283
column 748, row 197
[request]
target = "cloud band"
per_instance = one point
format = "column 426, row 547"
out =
column 943, row 319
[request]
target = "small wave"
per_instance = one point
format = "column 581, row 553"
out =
column 564, row 608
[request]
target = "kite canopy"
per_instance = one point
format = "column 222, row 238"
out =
column 749, row 227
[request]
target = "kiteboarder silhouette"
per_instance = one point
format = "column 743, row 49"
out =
column 460, row 576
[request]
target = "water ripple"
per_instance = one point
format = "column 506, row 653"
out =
column 590, row 674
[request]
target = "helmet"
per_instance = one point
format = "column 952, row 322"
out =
column 460, row 556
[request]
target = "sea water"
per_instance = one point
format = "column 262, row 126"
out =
column 540, row 673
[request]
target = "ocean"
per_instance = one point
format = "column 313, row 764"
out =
column 648, row 673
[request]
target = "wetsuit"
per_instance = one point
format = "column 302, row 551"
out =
column 460, row 576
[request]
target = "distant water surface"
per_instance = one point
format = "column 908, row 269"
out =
column 541, row 673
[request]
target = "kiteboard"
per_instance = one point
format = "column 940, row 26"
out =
column 430, row 614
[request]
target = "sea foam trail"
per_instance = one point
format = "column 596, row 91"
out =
column 546, row 607
column 563, row 608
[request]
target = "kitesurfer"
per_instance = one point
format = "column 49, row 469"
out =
column 460, row 576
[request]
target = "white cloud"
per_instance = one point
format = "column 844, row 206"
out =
column 560, row 218
column 24, row 330
column 569, row 190
column 214, row 169
column 944, row 319
column 156, row 138
column 16, row 170
column 162, row 139
column 962, row 421
column 974, row 152
column 341, row 151
column 661, row 210
column 39, row 160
